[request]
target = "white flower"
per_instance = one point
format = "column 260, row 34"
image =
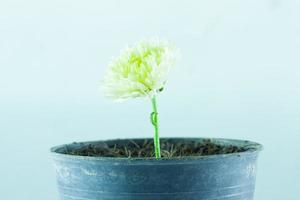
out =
column 140, row 71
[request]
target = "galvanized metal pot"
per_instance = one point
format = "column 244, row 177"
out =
column 215, row 177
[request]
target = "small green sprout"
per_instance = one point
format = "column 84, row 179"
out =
column 141, row 71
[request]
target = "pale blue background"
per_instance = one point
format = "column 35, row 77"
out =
column 239, row 77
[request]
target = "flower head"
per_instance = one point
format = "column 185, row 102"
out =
column 140, row 70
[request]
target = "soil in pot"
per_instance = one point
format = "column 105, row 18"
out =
column 144, row 148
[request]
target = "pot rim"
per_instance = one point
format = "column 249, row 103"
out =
column 254, row 149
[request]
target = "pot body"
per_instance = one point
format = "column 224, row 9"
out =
column 216, row 177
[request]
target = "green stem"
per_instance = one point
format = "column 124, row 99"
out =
column 154, row 121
